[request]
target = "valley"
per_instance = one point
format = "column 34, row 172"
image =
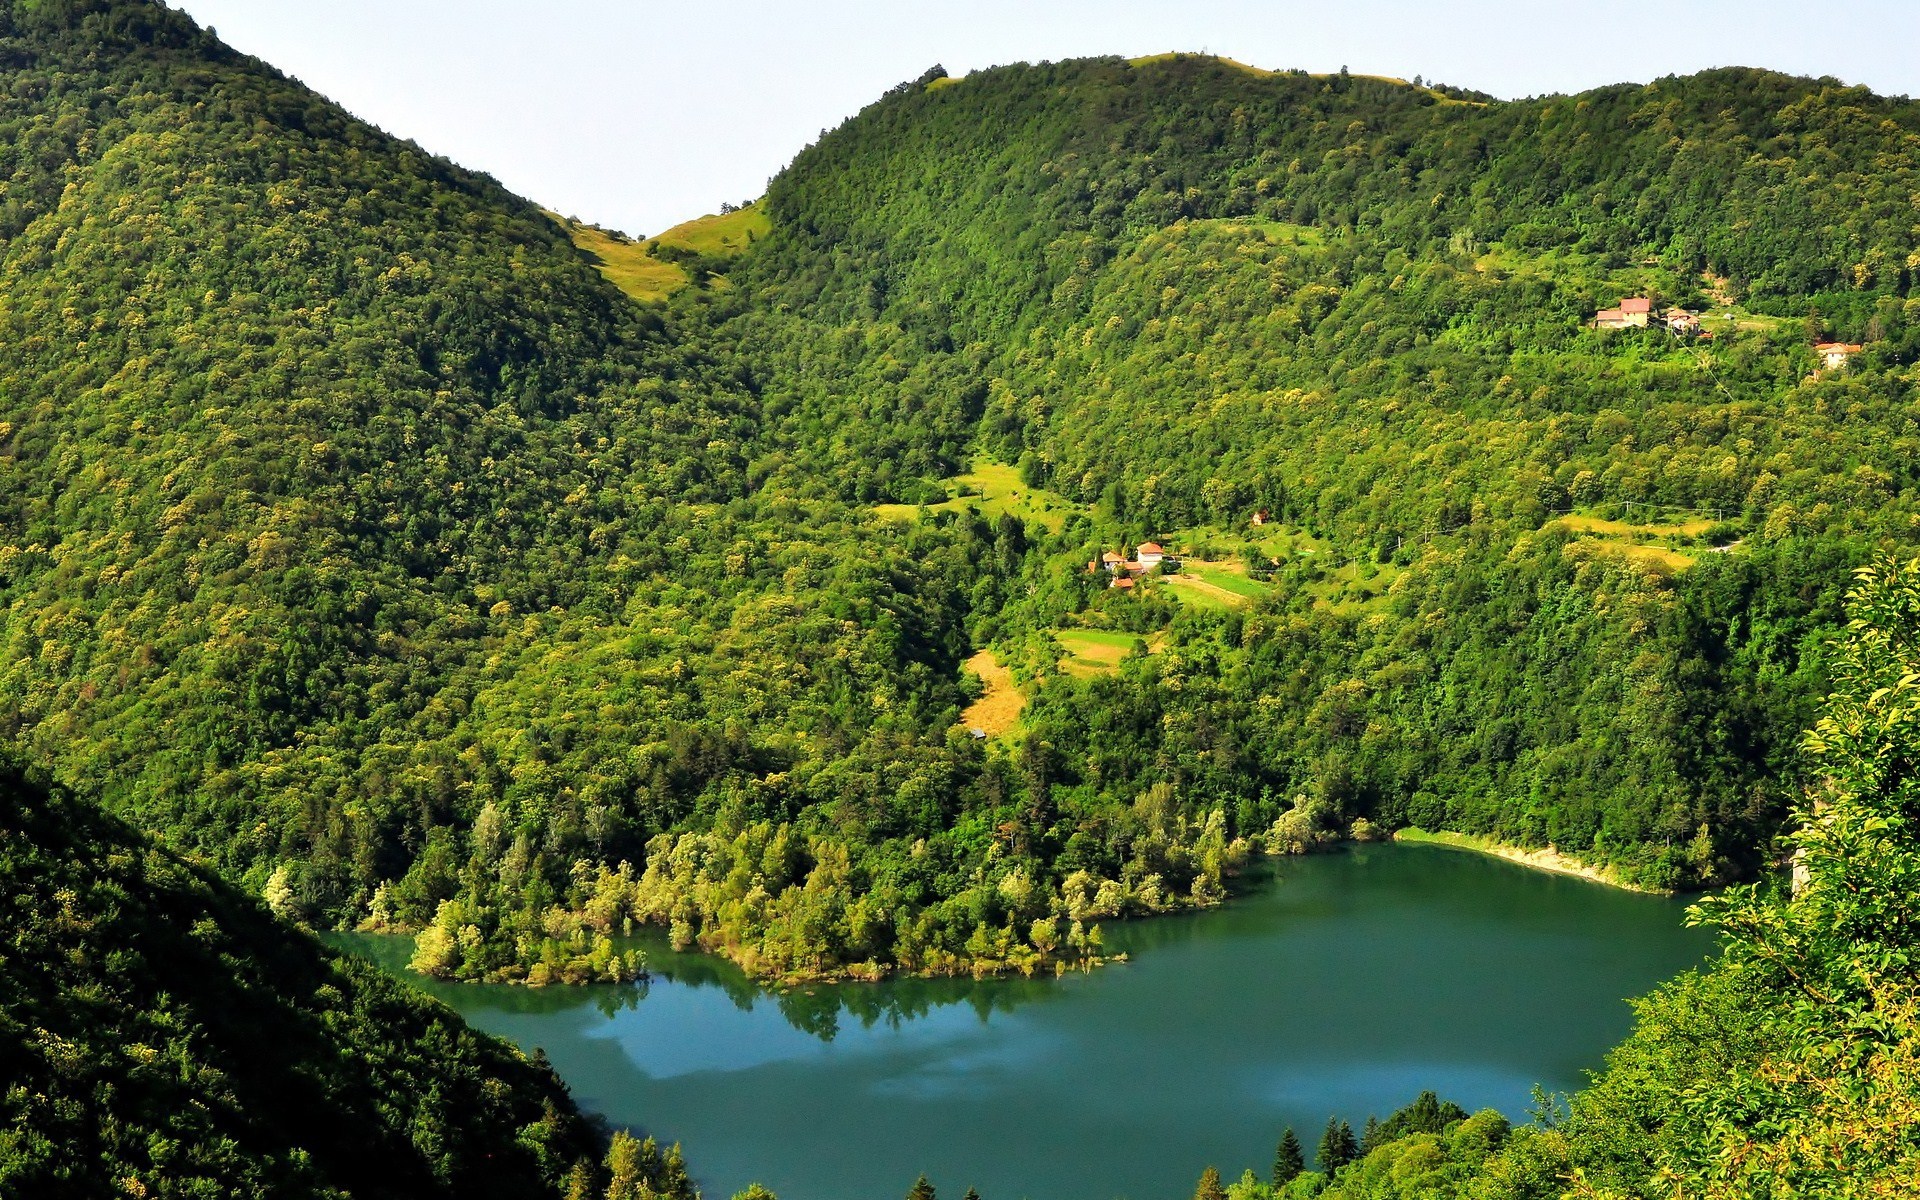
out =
column 1341, row 983
column 1070, row 494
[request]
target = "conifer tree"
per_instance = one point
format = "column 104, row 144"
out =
column 1288, row 1159
column 1210, row 1187
column 921, row 1190
column 1337, row 1146
column 1371, row 1138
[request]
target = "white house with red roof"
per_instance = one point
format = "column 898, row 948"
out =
column 1834, row 355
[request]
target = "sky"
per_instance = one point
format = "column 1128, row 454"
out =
column 638, row 114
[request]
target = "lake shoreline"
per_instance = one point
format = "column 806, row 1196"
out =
column 1549, row 859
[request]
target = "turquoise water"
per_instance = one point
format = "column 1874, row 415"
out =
column 1345, row 986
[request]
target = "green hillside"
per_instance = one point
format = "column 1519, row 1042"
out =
column 361, row 536
column 345, row 508
column 1788, row 1067
column 163, row 1035
column 363, row 539
column 1178, row 293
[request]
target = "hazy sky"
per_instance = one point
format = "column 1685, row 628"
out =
column 639, row 113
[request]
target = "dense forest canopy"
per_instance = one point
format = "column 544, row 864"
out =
column 368, row 550
column 1788, row 1067
column 163, row 1035
column 358, row 535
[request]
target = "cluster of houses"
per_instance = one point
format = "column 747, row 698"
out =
column 1636, row 312
column 1123, row 570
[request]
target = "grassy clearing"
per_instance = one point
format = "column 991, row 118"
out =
column 1606, row 528
column 1649, row 546
column 625, row 263
column 1093, row 651
column 722, row 235
column 1229, row 577
column 1207, row 584
column 997, row 711
column 1736, row 319
column 1355, row 587
column 995, row 489
column 1149, row 60
column 1195, row 592
column 630, row 265
column 1660, row 558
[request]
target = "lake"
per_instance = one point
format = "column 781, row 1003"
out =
column 1344, row 986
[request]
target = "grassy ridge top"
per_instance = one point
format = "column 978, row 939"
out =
column 655, row 268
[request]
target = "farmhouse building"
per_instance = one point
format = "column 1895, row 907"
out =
column 1634, row 313
column 1149, row 555
column 1834, row 355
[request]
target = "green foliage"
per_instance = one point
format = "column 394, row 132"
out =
column 356, row 534
column 163, row 1035
column 1209, row 1187
column 1791, row 1067
column 641, row 1170
column 1337, row 1147
column 1288, row 1159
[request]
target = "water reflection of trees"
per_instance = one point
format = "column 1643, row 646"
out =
column 819, row 1010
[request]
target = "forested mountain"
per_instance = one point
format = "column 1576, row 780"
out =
column 361, row 537
column 1788, row 1067
column 1180, row 293
column 163, row 1035
column 361, row 540
column 347, row 508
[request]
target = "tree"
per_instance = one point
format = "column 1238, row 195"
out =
column 1337, row 1146
column 755, row 1192
column 1210, row 1187
column 1371, row 1138
column 1427, row 1114
column 921, row 1190
column 1288, row 1159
